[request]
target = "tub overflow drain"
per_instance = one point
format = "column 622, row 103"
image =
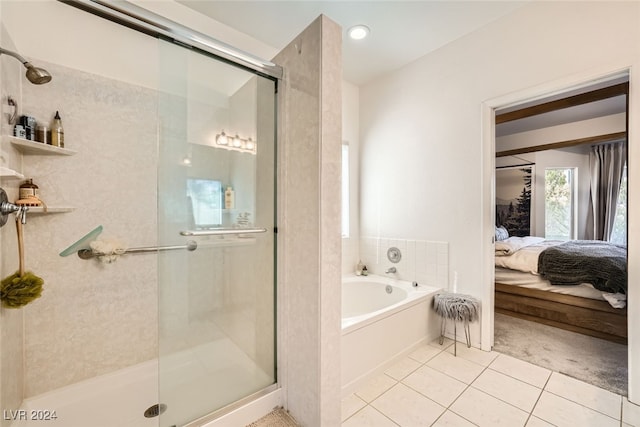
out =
column 155, row 410
column 389, row 289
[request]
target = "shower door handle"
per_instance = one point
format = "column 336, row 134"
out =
column 223, row 231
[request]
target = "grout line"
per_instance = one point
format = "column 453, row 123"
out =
column 467, row 386
column 384, row 415
column 585, row 406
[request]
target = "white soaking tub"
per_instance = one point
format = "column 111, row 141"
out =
column 383, row 319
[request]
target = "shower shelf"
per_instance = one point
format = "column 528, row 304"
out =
column 50, row 209
column 33, row 147
column 10, row 173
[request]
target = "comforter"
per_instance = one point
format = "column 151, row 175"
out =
column 602, row 264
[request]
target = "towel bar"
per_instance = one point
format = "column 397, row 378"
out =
column 223, row 231
column 190, row 246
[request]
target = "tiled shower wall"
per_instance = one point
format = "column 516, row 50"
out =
column 92, row 318
column 426, row 262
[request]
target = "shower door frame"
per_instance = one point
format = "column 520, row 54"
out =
column 137, row 18
column 152, row 24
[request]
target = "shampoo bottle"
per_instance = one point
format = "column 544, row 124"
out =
column 229, row 198
column 57, row 133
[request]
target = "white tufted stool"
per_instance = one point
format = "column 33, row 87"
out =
column 459, row 308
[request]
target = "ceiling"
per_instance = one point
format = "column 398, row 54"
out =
column 401, row 31
column 592, row 110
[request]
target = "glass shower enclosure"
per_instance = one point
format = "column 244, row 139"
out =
column 216, row 191
column 170, row 149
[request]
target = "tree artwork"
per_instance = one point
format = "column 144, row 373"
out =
column 513, row 199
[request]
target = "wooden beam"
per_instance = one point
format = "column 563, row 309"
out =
column 572, row 101
column 564, row 144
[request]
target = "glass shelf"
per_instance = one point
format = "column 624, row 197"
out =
column 33, row 147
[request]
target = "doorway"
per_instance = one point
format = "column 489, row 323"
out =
column 547, row 141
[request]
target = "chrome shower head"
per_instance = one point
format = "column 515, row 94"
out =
column 35, row 75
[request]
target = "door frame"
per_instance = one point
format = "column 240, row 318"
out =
column 544, row 90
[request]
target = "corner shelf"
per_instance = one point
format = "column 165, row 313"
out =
column 10, row 173
column 33, row 147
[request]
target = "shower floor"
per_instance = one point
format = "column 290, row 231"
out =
column 193, row 381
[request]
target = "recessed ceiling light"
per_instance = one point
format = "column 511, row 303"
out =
column 358, row 32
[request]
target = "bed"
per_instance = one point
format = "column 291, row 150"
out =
column 584, row 293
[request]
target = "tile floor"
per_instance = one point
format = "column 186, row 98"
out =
column 431, row 387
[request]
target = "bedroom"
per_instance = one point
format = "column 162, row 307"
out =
column 543, row 192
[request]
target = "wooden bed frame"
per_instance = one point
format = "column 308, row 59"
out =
column 577, row 314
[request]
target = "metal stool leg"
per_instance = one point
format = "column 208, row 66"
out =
column 443, row 326
column 455, row 337
column 467, row 333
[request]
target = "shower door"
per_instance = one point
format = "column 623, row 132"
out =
column 216, row 187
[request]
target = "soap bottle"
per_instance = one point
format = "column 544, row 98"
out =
column 359, row 268
column 57, row 132
column 365, row 272
column 229, row 198
column 28, row 190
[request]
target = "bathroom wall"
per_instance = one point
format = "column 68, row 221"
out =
column 425, row 262
column 427, row 116
column 92, row 318
column 309, row 247
column 11, row 320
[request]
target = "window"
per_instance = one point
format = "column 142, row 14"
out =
column 559, row 203
column 345, row 190
column 619, row 233
column 206, row 202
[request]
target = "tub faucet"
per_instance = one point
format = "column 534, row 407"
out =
column 390, row 270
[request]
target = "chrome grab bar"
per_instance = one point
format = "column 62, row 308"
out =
column 88, row 253
column 223, row 231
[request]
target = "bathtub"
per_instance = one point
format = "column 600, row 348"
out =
column 383, row 319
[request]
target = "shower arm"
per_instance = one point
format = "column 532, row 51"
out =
column 15, row 55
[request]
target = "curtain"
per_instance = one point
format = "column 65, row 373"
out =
column 606, row 162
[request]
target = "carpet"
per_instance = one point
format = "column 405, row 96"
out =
column 276, row 418
column 592, row 360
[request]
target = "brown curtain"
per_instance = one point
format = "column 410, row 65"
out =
column 606, row 162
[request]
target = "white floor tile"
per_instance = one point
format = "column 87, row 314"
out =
column 437, row 386
column 565, row 413
column 425, row 352
column 630, row 413
column 523, row 371
column 407, row 407
column 508, row 389
column 484, row 410
column 585, row 394
column 375, row 387
column 474, row 355
column 369, row 417
column 537, row 422
column 445, row 344
column 456, row 367
column 350, row 405
column 402, row 368
column 451, row 419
